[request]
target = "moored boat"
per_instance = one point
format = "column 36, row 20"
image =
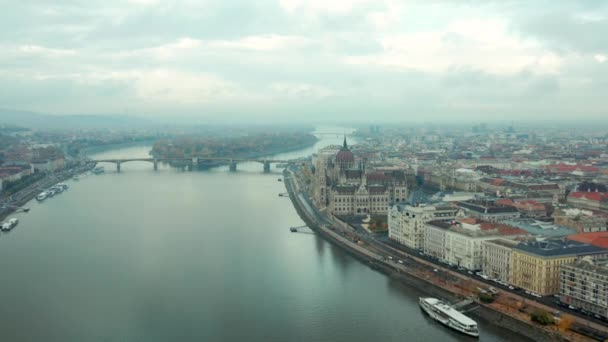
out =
column 10, row 224
column 448, row 316
column 42, row 196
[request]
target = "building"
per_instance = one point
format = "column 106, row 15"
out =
column 406, row 223
column 496, row 258
column 487, row 210
column 346, row 187
column 597, row 239
column 459, row 242
column 587, row 200
column 536, row 264
column 12, row 174
column 584, row 284
column 584, row 221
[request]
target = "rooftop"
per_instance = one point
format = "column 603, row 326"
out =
column 541, row 228
column 598, row 239
column 558, row 248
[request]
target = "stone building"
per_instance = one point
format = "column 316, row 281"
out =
column 584, row 284
column 406, row 223
column 496, row 258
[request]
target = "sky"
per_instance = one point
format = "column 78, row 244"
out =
column 359, row 60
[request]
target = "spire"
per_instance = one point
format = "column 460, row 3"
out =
column 345, row 145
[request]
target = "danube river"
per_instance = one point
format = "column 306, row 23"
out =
column 193, row 256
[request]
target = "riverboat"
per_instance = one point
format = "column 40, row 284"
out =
column 42, row 196
column 10, row 224
column 448, row 316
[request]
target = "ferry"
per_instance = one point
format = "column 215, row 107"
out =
column 10, row 224
column 42, row 196
column 448, row 316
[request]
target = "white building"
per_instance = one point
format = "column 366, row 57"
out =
column 406, row 223
column 496, row 258
column 460, row 242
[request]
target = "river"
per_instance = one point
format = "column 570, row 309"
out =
column 193, row 256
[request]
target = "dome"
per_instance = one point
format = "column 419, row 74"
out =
column 345, row 158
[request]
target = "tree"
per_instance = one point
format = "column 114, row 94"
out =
column 565, row 322
column 542, row 317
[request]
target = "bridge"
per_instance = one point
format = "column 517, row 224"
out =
column 191, row 162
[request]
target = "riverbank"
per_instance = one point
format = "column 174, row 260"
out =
column 20, row 198
column 410, row 271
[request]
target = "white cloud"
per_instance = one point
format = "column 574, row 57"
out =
column 300, row 90
column 323, row 6
column 262, row 42
column 477, row 44
column 600, row 58
column 37, row 50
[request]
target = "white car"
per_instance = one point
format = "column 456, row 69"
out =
column 484, row 276
column 536, row 295
column 400, row 261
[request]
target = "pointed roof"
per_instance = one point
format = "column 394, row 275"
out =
column 345, row 146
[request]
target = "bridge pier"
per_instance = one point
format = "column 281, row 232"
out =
column 266, row 166
column 117, row 166
column 155, row 161
column 232, row 166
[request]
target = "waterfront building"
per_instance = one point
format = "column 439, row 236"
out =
column 487, row 210
column 496, row 258
column 536, row 264
column 459, row 241
column 321, row 180
column 406, row 223
column 346, row 187
column 584, row 285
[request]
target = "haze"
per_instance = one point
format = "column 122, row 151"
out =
column 307, row 60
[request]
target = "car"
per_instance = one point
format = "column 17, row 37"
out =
column 390, row 258
column 528, row 292
column 536, row 295
column 484, row 276
column 434, row 270
column 469, row 272
column 400, row 261
column 511, row 287
column 573, row 308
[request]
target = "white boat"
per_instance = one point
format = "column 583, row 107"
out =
column 448, row 316
column 42, row 196
column 10, row 224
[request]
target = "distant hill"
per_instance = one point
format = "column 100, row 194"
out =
column 48, row 121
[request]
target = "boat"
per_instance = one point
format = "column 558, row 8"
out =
column 98, row 170
column 10, row 224
column 42, row 196
column 280, row 180
column 448, row 316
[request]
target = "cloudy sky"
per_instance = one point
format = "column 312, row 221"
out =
column 315, row 59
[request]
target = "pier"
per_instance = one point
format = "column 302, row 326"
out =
column 296, row 229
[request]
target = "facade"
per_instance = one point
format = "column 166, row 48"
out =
column 536, row 264
column 587, row 200
column 584, row 221
column 406, row 223
column 488, row 210
column 496, row 258
column 345, row 187
column 584, row 284
column 460, row 242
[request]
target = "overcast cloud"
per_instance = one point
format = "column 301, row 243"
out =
column 316, row 59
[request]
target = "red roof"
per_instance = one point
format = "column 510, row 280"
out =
column 591, row 196
column 598, row 239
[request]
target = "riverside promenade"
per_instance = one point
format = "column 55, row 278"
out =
column 511, row 311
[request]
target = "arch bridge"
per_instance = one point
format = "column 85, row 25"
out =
column 192, row 162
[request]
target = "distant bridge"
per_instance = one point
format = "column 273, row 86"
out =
column 191, row 162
